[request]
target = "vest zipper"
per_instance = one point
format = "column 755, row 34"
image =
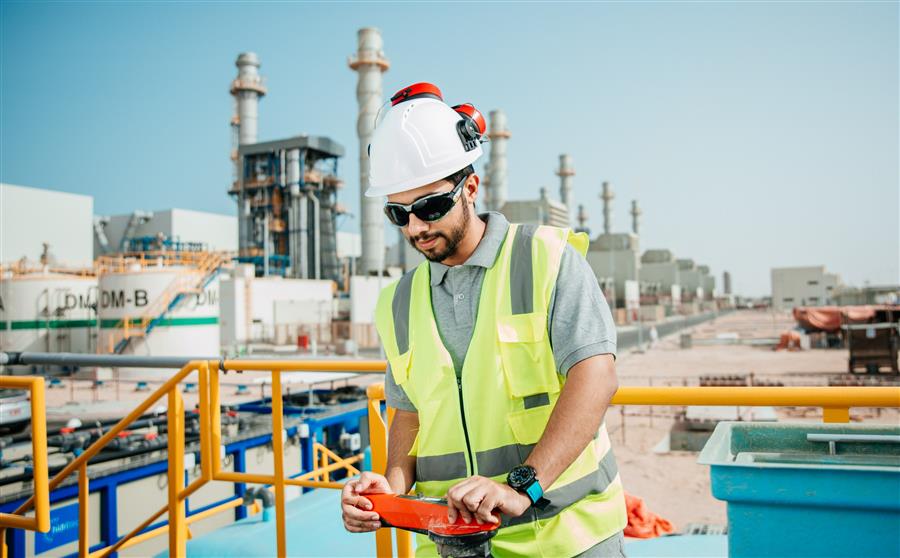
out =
column 462, row 413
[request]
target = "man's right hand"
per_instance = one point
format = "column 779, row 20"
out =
column 357, row 509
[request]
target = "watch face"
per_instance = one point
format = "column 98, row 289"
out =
column 520, row 476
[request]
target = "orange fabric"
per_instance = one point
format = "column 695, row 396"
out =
column 830, row 318
column 642, row 523
column 790, row 340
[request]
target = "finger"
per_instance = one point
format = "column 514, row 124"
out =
column 486, row 508
column 359, row 515
column 361, row 526
column 473, row 499
column 456, row 497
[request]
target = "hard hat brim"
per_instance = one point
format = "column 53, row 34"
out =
column 419, row 181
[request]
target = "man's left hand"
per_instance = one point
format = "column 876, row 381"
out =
column 477, row 498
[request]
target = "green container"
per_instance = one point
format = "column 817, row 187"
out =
column 811, row 490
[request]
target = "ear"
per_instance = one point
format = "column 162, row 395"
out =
column 471, row 188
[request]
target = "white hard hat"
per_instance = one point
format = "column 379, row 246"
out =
column 421, row 140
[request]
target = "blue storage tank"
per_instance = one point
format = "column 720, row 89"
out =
column 811, row 490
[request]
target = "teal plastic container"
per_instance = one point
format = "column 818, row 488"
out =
column 811, row 490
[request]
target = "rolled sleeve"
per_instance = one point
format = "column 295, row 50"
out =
column 581, row 324
column 394, row 394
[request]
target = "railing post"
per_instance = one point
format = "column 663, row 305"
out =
column 836, row 414
column 177, row 526
column 278, row 450
column 378, row 443
column 84, row 544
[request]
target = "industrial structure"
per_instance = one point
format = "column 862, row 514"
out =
column 286, row 192
column 369, row 63
column 803, row 286
column 495, row 181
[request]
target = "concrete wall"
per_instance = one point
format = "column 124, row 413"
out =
column 802, row 286
column 32, row 216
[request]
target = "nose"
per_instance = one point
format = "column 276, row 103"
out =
column 416, row 226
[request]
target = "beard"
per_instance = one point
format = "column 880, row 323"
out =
column 451, row 238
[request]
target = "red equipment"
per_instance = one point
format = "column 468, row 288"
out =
column 428, row 516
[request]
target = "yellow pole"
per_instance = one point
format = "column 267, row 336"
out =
column 205, row 446
column 378, row 442
column 215, row 420
column 39, row 458
column 84, row 545
column 177, row 534
column 836, row 414
column 278, row 450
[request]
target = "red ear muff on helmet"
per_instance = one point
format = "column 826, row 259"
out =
column 472, row 126
column 415, row 91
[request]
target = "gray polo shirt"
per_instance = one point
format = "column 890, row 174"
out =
column 580, row 323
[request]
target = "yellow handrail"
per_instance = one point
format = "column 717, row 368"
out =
column 41, row 520
column 835, row 401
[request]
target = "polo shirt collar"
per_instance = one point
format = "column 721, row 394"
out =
column 485, row 253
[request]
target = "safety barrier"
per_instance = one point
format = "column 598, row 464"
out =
column 209, row 418
column 835, row 402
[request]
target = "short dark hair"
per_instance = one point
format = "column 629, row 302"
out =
column 457, row 176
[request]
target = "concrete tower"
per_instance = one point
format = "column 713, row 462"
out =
column 726, row 282
column 247, row 88
column 565, row 172
column 635, row 218
column 369, row 62
column 607, row 197
column 582, row 219
column 496, row 170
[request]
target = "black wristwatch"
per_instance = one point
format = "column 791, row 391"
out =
column 524, row 479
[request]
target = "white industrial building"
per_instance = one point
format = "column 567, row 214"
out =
column 803, row 286
column 216, row 232
column 33, row 217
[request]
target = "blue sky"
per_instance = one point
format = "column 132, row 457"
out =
column 753, row 134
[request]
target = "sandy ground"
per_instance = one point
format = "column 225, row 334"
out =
column 673, row 484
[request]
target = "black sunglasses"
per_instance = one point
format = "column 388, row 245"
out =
column 428, row 208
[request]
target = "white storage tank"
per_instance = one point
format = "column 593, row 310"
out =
column 130, row 298
column 48, row 312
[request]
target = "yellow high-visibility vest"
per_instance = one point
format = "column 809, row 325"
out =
column 487, row 420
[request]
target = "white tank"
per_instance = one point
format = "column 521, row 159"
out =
column 48, row 312
column 190, row 328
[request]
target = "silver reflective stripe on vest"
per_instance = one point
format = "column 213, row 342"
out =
column 536, row 400
column 521, row 280
column 563, row 497
column 441, row 467
column 400, row 310
column 499, row 461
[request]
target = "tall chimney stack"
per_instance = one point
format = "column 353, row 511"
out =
column 607, row 197
column 565, row 174
column 635, row 218
column 496, row 170
column 369, row 63
column 247, row 89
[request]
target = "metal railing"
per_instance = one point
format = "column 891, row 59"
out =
column 835, row 402
column 209, row 418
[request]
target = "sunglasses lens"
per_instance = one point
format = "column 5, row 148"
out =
column 434, row 208
column 397, row 215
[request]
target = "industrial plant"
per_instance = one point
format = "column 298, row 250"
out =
column 146, row 354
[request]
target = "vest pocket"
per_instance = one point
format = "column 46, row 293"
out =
column 400, row 367
column 528, row 364
column 528, row 426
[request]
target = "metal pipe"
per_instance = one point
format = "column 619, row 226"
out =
column 369, row 63
column 120, row 361
column 565, row 172
column 316, row 271
column 499, row 134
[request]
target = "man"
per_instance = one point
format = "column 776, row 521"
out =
column 500, row 349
